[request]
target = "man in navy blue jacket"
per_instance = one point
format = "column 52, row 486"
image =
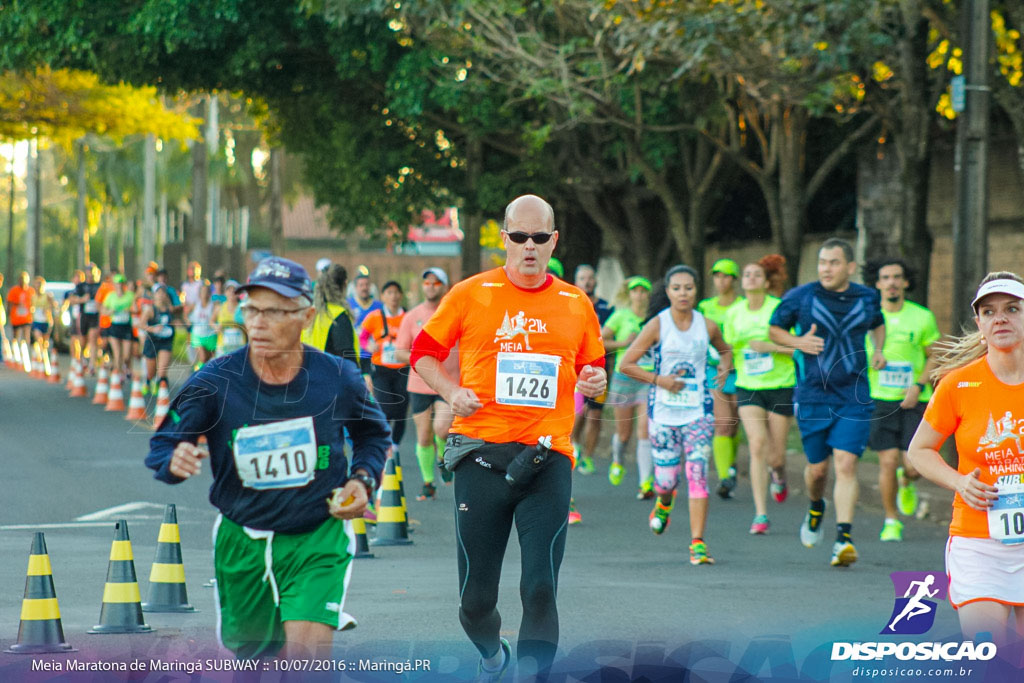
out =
column 830, row 319
column 274, row 414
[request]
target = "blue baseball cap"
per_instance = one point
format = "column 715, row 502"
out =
column 280, row 275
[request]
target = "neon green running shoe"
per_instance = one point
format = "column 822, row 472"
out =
column 906, row 496
column 892, row 530
column 659, row 517
column 699, row 553
column 615, row 473
column 585, row 465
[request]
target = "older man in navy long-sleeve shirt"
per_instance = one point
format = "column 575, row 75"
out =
column 274, row 414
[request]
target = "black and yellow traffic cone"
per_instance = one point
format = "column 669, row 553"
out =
column 398, row 474
column 40, row 631
column 167, row 577
column 392, row 525
column 122, row 604
column 362, row 543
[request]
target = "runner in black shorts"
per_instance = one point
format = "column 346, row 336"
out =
column 778, row 401
column 900, row 390
column 89, row 322
column 159, row 335
column 433, row 419
column 586, row 430
column 765, row 377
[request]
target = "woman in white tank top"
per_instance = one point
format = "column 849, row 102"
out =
column 679, row 405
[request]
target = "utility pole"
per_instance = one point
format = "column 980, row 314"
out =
column 32, row 199
column 970, row 221
column 81, row 190
column 10, row 218
column 148, row 251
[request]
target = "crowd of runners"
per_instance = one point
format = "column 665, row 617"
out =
column 520, row 369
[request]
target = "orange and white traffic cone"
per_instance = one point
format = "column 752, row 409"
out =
column 26, row 358
column 72, row 369
column 78, row 383
column 99, row 397
column 9, row 359
column 136, row 403
column 51, row 366
column 54, row 375
column 115, row 400
column 37, row 362
column 163, row 405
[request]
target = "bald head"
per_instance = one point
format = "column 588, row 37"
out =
column 529, row 208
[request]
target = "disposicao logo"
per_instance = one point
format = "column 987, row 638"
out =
column 917, row 596
column 916, row 600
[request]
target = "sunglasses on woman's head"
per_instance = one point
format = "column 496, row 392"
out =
column 520, row 237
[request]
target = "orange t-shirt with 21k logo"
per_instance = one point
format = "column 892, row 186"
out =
column 987, row 417
column 519, row 351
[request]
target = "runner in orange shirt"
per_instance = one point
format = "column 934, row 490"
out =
column 105, row 288
column 390, row 377
column 526, row 340
column 979, row 401
column 19, row 305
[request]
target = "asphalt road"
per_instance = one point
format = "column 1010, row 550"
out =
column 630, row 604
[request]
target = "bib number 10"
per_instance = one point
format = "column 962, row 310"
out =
column 283, row 464
column 1006, row 516
column 1013, row 524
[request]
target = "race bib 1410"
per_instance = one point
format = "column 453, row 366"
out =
column 277, row 455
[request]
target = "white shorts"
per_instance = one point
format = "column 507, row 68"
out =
column 984, row 569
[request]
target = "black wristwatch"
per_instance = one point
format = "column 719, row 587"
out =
column 920, row 385
column 366, row 480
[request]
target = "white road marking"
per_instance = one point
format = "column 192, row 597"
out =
column 65, row 525
column 113, row 512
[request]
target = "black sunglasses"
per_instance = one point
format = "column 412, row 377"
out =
column 538, row 237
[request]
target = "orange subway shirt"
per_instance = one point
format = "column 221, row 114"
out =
column 19, row 305
column 538, row 335
column 373, row 326
column 987, row 417
column 106, row 288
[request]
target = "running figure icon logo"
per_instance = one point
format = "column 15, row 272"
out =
column 917, row 596
column 519, row 324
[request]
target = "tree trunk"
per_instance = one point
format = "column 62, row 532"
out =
column 647, row 254
column 276, row 218
column 195, row 235
column 914, row 143
column 620, row 222
column 10, row 221
column 470, row 261
column 246, row 142
column 105, row 224
column 80, row 197
column 879, row 209
column 675, row 213
column 792, row 198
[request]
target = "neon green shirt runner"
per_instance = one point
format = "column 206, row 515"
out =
column 623, row 322
column 715, row 312
column 119, row 306
column 754, row 370
column 908, row 332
